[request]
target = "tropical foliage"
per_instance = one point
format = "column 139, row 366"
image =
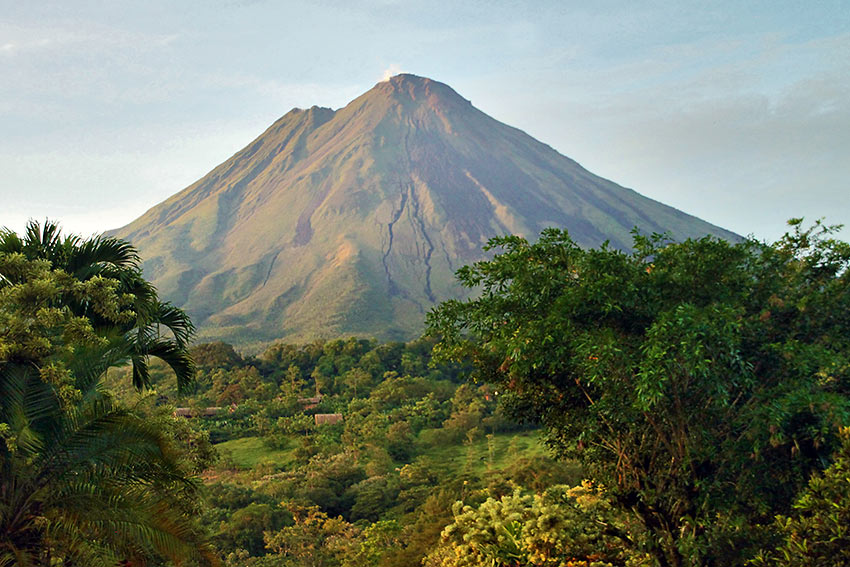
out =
column 375, row 489
column 569, row 527
column 701, row 385
column 83, row 480
column 133, row 318
column 817, row 532
column 702, row 382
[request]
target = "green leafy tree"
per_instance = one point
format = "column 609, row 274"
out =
column 378, row 545
column 400, row 441
column 373, row 496
column 574, row 527
column 83, row 481
column 315, row 539
column 357, row 377
column 701, row 382
column 817, row 532
column 245, row 527
column 110, row 263
column 216, row 355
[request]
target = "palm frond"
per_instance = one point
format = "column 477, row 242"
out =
column 102, row 254
column 27, row 405
column 11, row 556
column 90, row 363
column 125, row 518
column 41, row 241
column 141, row 372
column 177, row 321
column 10, row 242
column 177, row 358
column 103, row 437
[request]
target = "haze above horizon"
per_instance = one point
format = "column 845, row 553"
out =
column 736, row 114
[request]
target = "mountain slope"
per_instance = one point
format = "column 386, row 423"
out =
column 353, row 221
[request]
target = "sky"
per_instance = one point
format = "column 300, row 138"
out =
column 736, row 112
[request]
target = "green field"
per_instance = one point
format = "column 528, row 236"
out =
column 247, row 452
column 482, row 455
column 496, row 452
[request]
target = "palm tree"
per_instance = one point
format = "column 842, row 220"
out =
column 84, row 481
column 139, row 335
column 88, row 483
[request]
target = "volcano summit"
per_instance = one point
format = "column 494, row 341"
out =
column 353, row 221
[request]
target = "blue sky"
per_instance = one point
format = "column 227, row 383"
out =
column 737, row 112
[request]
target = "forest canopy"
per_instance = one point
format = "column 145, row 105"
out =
column 693, row 397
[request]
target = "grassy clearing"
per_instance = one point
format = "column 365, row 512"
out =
column 247, row 452
column 497, row 452
column 478, row 458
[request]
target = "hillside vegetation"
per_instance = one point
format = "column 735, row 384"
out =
column 376, row 488
column 693, row 399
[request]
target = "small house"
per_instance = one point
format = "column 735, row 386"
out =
column 310, row 403
column 191, row 412
column 327, row 418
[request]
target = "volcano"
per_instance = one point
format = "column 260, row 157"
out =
column 352, row 222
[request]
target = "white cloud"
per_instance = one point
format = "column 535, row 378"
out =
column 391, row 71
